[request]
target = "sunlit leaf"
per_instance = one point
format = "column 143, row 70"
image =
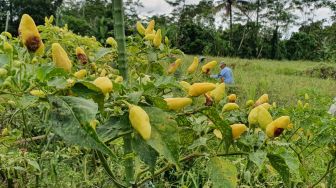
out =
column 3, row 60
column 89, row 90
column 164, row 137
column 222, row 173
column 222, row 125
column 101, row 53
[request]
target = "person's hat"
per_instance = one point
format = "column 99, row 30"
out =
column 222, row 63
column 201, row 58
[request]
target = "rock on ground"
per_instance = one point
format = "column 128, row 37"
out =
column 332, row 109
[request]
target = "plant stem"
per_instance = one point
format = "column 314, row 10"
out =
column 186, row 113
column 186, row 158
column 330, row 179
column 329, row 169
column 129, row 162
column 121, row 134
column 108, row 170
column 26, row 140
column 7, row 20
column 119, row 33
column 297, row 153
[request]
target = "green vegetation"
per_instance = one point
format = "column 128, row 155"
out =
column 285, row 81
column 255, row 29
column 78, row 111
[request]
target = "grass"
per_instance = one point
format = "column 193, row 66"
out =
column 282, row 80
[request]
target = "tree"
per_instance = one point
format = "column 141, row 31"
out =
column 38, row 9
column 5, row 7
column 194, row 18
column 229, row 6
column 279, row 14
column 94, row 17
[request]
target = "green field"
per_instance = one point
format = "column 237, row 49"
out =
column 280, row 79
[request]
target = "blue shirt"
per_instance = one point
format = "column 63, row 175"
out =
column 225, row 73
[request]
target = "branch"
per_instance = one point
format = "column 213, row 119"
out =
column 25, row 140
column 119, row 135
column 193, row 112
column 108, row 170
column 297, row 153
column 186, row 158
column 326, row 173
column 9, row 93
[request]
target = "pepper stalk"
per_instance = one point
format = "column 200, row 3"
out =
column 119, row 33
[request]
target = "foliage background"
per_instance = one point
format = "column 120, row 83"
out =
column 255, row 29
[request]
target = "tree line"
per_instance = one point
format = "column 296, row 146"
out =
column 254, row 28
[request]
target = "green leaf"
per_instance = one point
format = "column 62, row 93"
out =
column 187, row 136
column 135, row 97
column 112, row 128
column 222, row 125
column 47, row 72
column 157, row 101
column 183, row 121
column 157, row 68
column 152, row 56
column 146, row 153
column 19, row 168
column 58, row 83
column 280, row 165
column 165, row 82
column 4, row 59
column 101, row 53
column 42, row 72
column 177, row 51
column 70, row 118
column 89, row 91
column 34, row 164
column 165, row 134
column 258, row 158
column 291, row 160
column 222, row 173
column 199, row 142
column 27, row 100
